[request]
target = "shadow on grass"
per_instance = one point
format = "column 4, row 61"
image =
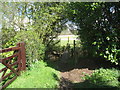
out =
column 86, row 85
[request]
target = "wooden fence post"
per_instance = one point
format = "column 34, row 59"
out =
column 68, row 40
column 23, row 56
column 74, row 45
column 75, row 53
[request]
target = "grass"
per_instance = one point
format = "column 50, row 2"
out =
column 66, row 36
column 65, row 42
column 40, row 76
column 71, row 43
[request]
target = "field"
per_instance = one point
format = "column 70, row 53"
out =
column 67, row 39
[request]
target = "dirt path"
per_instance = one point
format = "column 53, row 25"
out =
column 73, row 76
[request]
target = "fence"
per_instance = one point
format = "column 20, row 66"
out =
column 14, row 66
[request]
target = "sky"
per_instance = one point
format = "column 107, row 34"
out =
column 71, row 25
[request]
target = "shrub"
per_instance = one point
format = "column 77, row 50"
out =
column 104, row 78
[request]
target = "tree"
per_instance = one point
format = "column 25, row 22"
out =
column 48, row 20
column 35, row 23
column 44, row 18
column 99, row 27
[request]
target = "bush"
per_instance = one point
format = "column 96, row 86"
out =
column 104, row 78
column 40, row 76
column 34, row 48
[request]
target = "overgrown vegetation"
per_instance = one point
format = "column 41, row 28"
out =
column 40, row 76
column 39, row 23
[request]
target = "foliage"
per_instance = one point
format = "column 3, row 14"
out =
column 9, row 19
column 46, row 19
column 104, row 77
column 40, row 76
column 98, row 27
column 9, row 33
column 43, row 18
column 34, row 48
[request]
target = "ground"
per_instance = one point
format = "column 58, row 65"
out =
column 75, row 74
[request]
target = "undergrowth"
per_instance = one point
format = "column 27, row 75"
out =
column 105, row 77
column 101, row 78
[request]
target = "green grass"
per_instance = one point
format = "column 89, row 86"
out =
column 71, row 43
column 40, row 76
column 67, row 36
column 65, row 42
column 64, row 39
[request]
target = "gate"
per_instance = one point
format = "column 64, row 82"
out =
column 12, row 66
